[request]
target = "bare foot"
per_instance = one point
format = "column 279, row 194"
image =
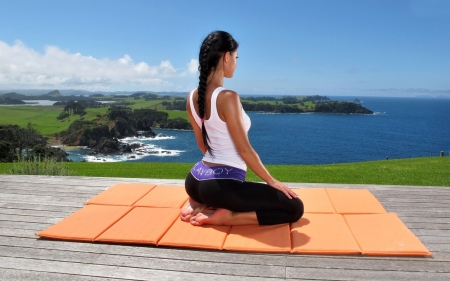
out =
column 211, row 216
column 191, row 209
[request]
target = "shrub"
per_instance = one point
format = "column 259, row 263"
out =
column 34, row 166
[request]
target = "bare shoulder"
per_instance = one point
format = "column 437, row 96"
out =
column 229, row 97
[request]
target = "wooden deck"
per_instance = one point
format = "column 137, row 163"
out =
column 29, row 204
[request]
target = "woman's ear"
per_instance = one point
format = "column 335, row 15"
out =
column 226, row 57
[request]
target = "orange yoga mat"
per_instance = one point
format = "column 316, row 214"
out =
column 336, row 221
column 85, row 224
column 183, row 234
column 322, row 234
column 123, row 194
column 164, row 196
column 141, row 226
column 315, row 200
column 354, row 201
column 254, row 238
column 385, row 235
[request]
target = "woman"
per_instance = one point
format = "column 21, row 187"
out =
column 216, row 185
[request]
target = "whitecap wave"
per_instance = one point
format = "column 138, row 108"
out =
column 158, row 137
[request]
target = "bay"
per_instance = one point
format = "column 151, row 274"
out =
column 400, row 128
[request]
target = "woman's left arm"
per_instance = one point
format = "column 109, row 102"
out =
column 230, row 111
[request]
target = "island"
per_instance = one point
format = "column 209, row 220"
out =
column 301, row 104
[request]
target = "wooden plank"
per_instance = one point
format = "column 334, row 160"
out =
column 296, row 273
column 146, row 252
column 418, row 199
column 44, row 199
column 47, row 186
column 49, row 190
column 368, row 263
column 25, row 225
column 420, row 214
column 40, row 207
column 19, row 218
column 28, row 275
column 426, row 225
column 434, row 239
column 409, row 188
column 429, row 220
column 90, row 181
column 108, row 271
column 37, row 213
column 119, row 259
column 158, row 252
column 431, row 232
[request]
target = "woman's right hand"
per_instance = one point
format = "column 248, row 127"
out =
column 283, row 188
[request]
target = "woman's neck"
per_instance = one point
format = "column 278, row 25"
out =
column 215, row 79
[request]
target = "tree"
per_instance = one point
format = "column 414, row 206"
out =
column 16, row 141
column 72, row 108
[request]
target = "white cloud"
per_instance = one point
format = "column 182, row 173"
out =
column 193, row 66
column 22, row 67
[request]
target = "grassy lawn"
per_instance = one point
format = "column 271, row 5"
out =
column 430, row 171
column 43, row 118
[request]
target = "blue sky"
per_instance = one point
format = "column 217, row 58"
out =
column 361, row 47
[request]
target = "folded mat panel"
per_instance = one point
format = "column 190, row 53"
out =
column 315, row 200
column 384, row 235
column 354, row 201
column 141, row 225
column 322, row 234
column 255, row 238
column 85, row 224
column 164, row 196
column 183, row 234
column 122, row 194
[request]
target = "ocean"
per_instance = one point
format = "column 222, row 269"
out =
column 400, row 128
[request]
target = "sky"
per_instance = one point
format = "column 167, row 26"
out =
column 324, row 47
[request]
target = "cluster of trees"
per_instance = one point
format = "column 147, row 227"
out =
column 176, row 123
column 8, row 100
column 17, row 142
column 315, row 98
column 122, row 122
column 341, row 107
column 84, row 103
column 263, row 98
column 175, row 105
column 288, row 99
column 267, row 107
column 72, row 108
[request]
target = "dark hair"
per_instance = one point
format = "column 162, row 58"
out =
column 215, row 45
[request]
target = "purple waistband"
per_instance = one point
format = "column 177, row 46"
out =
column 202, row 172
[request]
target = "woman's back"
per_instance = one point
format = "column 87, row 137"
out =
column 223, row 148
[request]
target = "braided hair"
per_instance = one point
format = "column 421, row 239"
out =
column 215, row 45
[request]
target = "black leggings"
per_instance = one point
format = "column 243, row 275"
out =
column 270, row 204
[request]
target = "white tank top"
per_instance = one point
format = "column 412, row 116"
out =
column 223, row 147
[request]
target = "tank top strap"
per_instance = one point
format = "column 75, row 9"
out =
column 214, row 96
column 194, row 113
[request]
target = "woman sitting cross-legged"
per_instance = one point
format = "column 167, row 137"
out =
column 216, row 185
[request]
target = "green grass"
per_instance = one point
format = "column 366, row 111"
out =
column 176, row 113
column 45, row 122
column 430, row 171
column 38, row 166
column 43, row 118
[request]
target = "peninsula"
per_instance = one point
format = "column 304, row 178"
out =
column 300, row 104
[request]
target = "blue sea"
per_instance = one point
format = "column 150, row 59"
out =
column 400, row 128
